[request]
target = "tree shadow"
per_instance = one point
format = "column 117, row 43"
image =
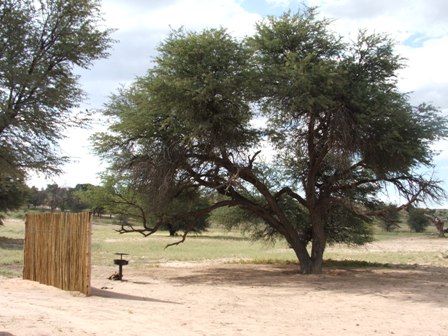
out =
column 120, row 296
column 402, row 282
column 11, row 243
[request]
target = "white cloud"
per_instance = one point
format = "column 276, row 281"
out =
column 278, row 3
column 127, row 15
column 192, row 14
column 198, row 14
column 425, row 65
column 400, row 18
column 83, row 168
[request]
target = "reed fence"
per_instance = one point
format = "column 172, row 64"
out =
column 57, row 250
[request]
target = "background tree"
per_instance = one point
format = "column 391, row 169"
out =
column 94, row 198
column 74, row 203
column 341, row 129
column 13, row 192
column 186, row 203
column 417, row 220
column 119, row 197
column 437, row 218
column 56, row 197
column 41, row 44
column 35, row 197
column 390, row 218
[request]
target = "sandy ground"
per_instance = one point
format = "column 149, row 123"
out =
column 215, row 298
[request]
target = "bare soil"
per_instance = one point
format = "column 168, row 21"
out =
column 215, row 298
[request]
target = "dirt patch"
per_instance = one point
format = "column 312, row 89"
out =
column 229, row 299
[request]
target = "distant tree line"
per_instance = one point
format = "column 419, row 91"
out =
column 56, row 198
column 127, row 206
column 111, row 199
column 131, row 206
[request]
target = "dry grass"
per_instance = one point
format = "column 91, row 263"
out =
column 402, row 248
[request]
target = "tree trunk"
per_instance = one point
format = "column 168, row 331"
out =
column 319, row 242
column 305, row 264
column 172, row 230
column 317, row 255
column 310, row 264
column 439, row 227
column 439, row 223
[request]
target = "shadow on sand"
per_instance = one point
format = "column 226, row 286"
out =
column 120, row 296
column 406, row 282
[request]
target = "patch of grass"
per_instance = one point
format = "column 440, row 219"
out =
column 384, row 235
column 19, row 214
column 7, row 273
column 11, row 248
column 215, row 244
column 11, row 262
column 13, row 228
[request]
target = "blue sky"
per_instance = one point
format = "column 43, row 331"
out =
column 420, row 28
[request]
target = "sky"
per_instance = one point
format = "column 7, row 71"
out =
column 419, row 27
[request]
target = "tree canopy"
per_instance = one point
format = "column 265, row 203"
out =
column 337, row 124
column 417, row 220
column 42, row 43
column 13, row 192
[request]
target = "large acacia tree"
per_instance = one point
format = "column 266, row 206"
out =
column 340, row 129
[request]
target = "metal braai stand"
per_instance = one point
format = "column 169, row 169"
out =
column 120, row 262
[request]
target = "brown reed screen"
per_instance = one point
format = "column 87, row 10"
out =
column 57, row 250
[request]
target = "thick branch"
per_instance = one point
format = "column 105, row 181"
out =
column 146, row 231
column 252, row 159
column 274, row 216
column 288, row 191
column 438, row 222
